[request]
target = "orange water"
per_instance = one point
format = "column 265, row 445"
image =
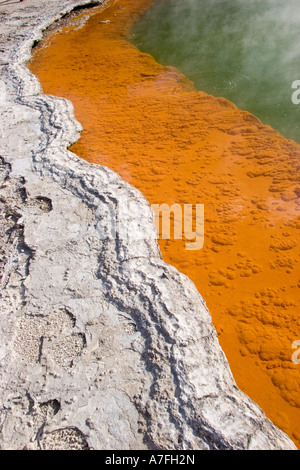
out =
column 177, row 145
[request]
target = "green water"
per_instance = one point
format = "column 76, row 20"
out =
column 247, row 51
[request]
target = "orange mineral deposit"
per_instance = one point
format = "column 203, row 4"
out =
column 177, row 145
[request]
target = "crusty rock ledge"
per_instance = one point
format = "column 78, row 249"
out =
column 103, row 345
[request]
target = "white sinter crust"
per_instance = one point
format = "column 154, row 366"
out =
column 103, row 345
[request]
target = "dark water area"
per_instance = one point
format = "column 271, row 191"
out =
column 244, row 50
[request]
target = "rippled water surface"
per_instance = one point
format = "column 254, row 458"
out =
column 245, row 51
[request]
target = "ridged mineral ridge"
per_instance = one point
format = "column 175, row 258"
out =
column 103, row 345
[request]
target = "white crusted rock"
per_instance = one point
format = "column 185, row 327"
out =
column 103, row 345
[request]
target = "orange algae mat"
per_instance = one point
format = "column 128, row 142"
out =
column 178, row 145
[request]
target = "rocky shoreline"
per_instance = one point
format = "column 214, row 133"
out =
column 104, row 346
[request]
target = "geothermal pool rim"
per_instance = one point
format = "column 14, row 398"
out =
column 103, row 345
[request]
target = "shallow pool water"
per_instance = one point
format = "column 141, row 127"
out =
column 245, row 51
column 179, row 145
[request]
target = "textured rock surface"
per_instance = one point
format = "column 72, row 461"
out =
column 103, row 345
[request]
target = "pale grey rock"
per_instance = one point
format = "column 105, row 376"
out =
column 103, row 345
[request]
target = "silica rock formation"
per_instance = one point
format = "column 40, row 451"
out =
column 103, row 345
